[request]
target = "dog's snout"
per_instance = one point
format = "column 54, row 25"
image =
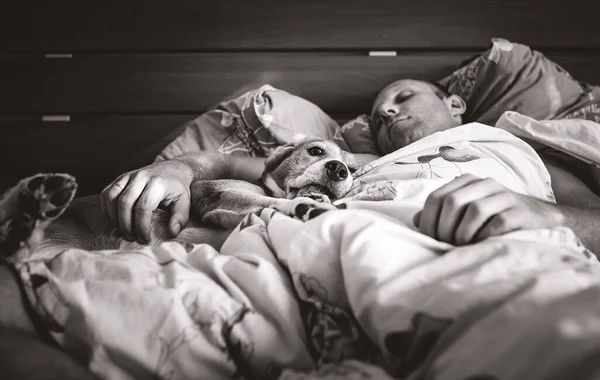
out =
column 336, row 170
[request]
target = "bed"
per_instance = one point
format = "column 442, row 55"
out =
column 96, row 95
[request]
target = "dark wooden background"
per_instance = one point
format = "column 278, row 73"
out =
column 129, row 73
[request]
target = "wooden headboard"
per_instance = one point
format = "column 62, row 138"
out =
column 95, row 88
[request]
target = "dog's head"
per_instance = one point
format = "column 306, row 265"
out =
column 310, row 166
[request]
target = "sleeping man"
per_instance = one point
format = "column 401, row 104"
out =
column 466, row 209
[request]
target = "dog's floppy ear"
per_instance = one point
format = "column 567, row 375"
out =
column 277, row 156
column 350, row 161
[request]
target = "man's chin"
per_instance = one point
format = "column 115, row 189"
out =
column 388, row 146
column 397, row 141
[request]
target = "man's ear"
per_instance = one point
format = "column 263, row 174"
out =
column 456, row 105
column 277, row 156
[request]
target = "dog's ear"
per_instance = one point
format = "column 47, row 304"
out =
column 277, row 156
column 350, row 161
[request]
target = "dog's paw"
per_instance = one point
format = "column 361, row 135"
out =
column 303, row 208
column 26, row 209
column 321, row 198
column 46, row 196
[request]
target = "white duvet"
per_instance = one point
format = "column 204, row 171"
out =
column 359, row 286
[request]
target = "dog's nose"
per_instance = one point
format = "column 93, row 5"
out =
column 336, row 170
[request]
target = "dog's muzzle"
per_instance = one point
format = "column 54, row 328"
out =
column 336, row 170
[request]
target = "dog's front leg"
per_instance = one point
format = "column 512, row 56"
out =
column 304, row 208
column 226, row 202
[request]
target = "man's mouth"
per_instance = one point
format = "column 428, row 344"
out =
column 398, row 120
column 394, row 123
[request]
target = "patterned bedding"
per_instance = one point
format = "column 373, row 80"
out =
column 354, row 293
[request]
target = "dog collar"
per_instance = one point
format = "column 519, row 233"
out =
column 271, row 187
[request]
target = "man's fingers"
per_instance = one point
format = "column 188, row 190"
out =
column 125, row 204
column 502, row 223
column 110, row 196
column 470, row 209
column 148, row 201
column 429, row 217
column 180, row 213
column 455, row 204
column 132, row 198
column 478, row 214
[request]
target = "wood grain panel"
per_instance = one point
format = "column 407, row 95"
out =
column 185, row 25
column 192, row 83
column 95, row 150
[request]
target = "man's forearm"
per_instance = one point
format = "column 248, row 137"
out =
column 202, row 166
column 585, row 222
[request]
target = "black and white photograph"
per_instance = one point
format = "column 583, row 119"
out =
column 300, row 190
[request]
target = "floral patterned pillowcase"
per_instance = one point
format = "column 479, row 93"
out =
column 253, row 124
column 506, row 77
column 513, row 77
column 588, row 105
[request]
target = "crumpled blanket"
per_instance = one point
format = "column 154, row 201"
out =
column 577, row 138
column 349, row 285
column 359, row 286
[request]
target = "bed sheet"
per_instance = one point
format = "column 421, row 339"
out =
column 358, row 286
column 285, row 297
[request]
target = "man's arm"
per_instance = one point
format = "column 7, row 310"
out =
column 131, row 199
column 469, row 209
column 577, row 202
column 219, row 166
column 585, row 222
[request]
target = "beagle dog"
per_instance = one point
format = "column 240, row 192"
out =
column 40, row 214
column 312, row 171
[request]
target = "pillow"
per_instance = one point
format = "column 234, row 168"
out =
column 506, row 77
column 357, row 133
column 512, row 77
column 577, row 138
column 254, row 124
column 588, row 106
column 566, row 139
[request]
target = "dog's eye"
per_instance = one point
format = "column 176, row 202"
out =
column 315, row 151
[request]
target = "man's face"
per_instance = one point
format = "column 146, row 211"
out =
column 408, row 110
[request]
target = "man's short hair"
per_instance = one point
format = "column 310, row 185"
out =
column 439, row 90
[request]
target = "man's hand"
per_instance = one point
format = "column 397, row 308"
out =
column 131, row 199
column 470, row 209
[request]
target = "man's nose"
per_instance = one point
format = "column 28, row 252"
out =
column 336, row 170
column 389, row 110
